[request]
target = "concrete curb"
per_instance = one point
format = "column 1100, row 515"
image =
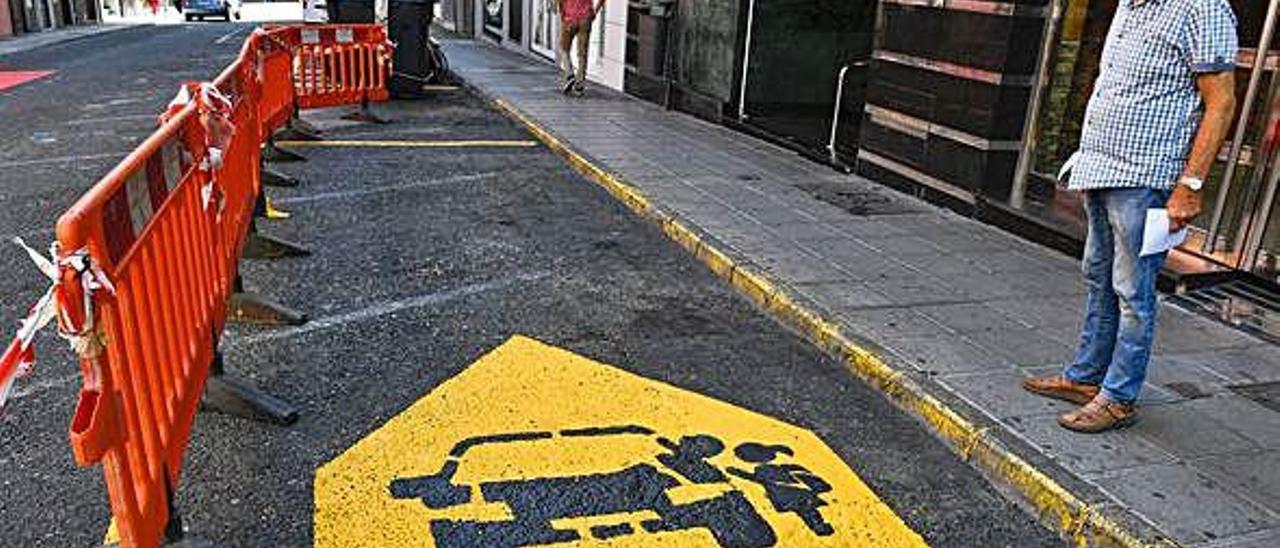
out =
column 1077, row 521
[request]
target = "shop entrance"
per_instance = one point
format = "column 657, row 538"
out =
column 1240, row 229
column 803, row 73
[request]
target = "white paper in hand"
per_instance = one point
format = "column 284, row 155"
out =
column 1156, row 237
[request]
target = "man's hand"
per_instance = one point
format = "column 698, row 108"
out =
column 1218, row 91
column 1184, row 207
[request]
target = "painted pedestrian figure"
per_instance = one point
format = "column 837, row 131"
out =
column 790, row 487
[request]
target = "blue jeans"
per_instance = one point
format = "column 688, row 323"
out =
column 1120, row 313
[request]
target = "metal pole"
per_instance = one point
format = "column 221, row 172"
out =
column 746, row 62
column 1044, row 76
column 1258, row 227
column 835, row 112
column 1237, row 141
column 1261, row 159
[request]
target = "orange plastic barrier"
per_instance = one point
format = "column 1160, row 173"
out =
column 146, row 260
column 341, row 65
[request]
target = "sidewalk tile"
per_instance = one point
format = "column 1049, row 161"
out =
column 866, row 227
column 1006, row 262
column 795, row 266
column 844, row 296
column 1061, row 312
column 1269, row 538
column 945, row 354
column 1180, row 332
column 946, row 266
column 999, row 393
column 1087, row 453
column 987, row 287
column 1255, row 475
column 970, row 317
column 1188, row 433
column 918, row 289
column 1259, row 362
column 903, row 245
column 1026, row 347
column 1242, row 416
column 1188, row 504
column 891, row 323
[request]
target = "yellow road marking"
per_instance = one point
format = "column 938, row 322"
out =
column 521, row 439
column 474, row 143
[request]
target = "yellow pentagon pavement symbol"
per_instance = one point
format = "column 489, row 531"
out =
column 533, row 445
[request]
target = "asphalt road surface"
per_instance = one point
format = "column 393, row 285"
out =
column 425, row 260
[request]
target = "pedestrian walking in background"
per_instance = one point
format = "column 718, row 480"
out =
column 576, row 18
column 1160, row 109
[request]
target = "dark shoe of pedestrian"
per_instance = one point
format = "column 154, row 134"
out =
column 1062, row 388
column 578, row 89
column 1099, row 415
column 569, row 84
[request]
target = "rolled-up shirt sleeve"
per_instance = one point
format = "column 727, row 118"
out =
column 1211, row 36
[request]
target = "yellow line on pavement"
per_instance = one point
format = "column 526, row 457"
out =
column 473, row 143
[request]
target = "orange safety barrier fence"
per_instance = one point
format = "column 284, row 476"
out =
column 146, row 260
column 341, row 65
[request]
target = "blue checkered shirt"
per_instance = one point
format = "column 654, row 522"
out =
column 1145, row 107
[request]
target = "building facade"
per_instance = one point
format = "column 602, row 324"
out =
column 532, row 27
column 27, row 16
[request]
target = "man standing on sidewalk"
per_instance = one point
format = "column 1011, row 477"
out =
column 1166, row 85
column 576, row 17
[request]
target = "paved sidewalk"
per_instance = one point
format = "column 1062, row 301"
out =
column 967, row 309
column 32, row 41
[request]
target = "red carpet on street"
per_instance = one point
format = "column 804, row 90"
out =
column 13, row 78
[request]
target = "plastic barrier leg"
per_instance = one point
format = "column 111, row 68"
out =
column 298, row 129
column 366, row 115
column 260, row 246
column 271, row 177
column 246, row 307
column 226, row 394
column 273, row 153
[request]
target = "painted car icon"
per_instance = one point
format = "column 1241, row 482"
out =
column 608, row 482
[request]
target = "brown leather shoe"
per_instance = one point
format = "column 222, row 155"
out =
column 1062, row 388
column 1099, row 415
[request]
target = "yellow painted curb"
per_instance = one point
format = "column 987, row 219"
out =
column 1074, row 519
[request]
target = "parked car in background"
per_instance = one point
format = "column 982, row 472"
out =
column 200, row 9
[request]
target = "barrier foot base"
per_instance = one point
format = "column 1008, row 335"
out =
column 260, row 246
column 366, row 115
column 302, row 125
column 271, row 177
column 245, row 307
column 240, row 399
column 299, row 130
column 273, row 153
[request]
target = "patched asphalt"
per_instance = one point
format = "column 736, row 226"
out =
column 424, row 260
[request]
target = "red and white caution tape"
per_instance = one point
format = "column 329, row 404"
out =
column 20, row 357
column 214, row 110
